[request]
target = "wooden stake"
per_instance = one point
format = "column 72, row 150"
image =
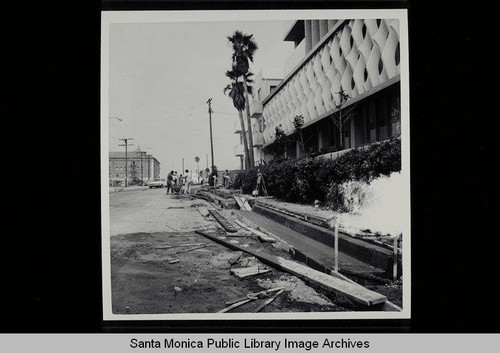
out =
column 268, row 301
column 252, row 295
column 235, row 305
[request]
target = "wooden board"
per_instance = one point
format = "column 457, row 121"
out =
column 246, row 205
column 243, row 272
column 223, row 221
column 262, row 236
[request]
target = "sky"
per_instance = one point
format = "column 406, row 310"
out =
column 161, row 76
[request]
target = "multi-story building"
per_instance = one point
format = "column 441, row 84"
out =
column 262, row 87
column 139, row 166
column 359, row 57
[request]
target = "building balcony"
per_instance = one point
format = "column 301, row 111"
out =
column 239, row 150
column 256, row 109
column 258, row 139
column 237, row 127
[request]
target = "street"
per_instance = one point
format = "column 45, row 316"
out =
column 159, row 265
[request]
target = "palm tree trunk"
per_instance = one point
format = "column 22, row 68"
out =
column 250, row 137
column 245, row 143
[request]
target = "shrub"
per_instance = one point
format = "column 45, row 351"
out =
column 307, row 179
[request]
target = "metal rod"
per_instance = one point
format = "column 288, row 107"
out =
column 336, row 244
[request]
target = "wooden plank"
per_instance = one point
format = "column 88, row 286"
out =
column 262, row 236
column 235, row 305
column 357, row 293
column 267, row 302
column 251, row 295
column 244, row 272
column 238, row 201
column 246, row 205
column 223, row 221
column 235, row 258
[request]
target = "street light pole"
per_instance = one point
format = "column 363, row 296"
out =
column 211, row 139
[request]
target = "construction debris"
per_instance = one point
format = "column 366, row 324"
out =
column 235, row 258
column 242, row 203
column 235, row 305
column 356, row 293
column 223, row 221
column 267, row 302
column 196, row 248
column 249, row 271
column 250, row 295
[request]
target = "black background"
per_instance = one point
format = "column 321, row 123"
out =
column 50, row 243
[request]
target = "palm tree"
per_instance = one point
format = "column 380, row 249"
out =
column 244, row 48
column 235, row 91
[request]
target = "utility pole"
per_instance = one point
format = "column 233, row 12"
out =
column 183, row 164
column 126, row 156
column 149, row 165
column 142, row 175
column 210, row 119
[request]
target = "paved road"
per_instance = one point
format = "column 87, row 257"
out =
column 151, row 273
column 152, row 210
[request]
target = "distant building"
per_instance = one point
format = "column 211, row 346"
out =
column 360, row 57
column 140, row 166
column 262, row 87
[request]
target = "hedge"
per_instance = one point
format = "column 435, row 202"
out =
column 306, row 180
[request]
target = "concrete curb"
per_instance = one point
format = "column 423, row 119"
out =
column 368, row 252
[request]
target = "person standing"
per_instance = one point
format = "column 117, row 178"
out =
column 170, row 182
column 187, row 181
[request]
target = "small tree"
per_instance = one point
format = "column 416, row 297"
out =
column 298, row 122
column 278, row 146
column 342, row 116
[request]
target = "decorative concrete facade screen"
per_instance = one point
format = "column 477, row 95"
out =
column 356, row 56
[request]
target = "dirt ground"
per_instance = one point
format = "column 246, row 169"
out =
column 145, row 282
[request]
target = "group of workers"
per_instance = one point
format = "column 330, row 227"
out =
column 185, row 180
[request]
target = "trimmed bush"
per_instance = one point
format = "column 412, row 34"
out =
column 305, row 180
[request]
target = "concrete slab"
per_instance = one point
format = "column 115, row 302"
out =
column 312, row 252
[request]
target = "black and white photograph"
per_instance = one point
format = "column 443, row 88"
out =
column 255, row 165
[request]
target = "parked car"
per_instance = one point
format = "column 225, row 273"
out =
column 157, row 183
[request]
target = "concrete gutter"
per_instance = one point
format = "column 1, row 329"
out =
column 370, row 253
